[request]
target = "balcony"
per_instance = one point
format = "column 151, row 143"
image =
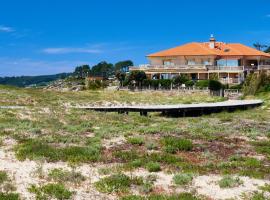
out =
column 264, row 67
column 188, row 67
column 203, row 67
column 226, row 68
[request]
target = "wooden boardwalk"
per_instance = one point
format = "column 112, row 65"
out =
column 181, row 109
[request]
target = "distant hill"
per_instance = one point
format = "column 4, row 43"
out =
column 28, row 81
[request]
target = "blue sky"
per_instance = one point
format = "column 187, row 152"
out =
column 52, row 36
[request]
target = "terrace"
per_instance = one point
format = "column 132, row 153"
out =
column 200, row 67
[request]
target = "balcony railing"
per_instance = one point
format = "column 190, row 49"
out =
column 188, row 67
column 226, row 68
column 264, row 67
column 202, row 67
column 171, row 67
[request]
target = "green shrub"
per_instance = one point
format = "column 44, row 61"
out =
column 173, row 144
column 136, row 140
column 229, row 182
column 114, row 183
column 255, row 83
column 36, row 149
column 126, row 156
column 3, row 177
column 151, row 146
column 136, row 163
column 182, row 196
column 62, row 176
column 236, row 87
column 153, row 167
column 202, row 84
column 165, row 83
column 262, row 147
column 179, row 80
column 9, row 196
column 266, row 187
column 258, row 196
column 95, row 85
column 189, row 83
column 49, row 191
column 183, row 179
column 214, row 85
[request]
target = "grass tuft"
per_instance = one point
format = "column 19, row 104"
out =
column 136, row 140
column 117, row 183
column 153, row 167
column 174, row 144
column 51, row 191
column 183, row 179
column 230, row 182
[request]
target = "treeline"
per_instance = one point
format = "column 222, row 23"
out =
column 25, row 81
column 102, row 69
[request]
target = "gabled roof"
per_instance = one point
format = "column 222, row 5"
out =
column 203, row 49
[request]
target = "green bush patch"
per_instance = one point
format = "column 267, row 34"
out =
column 262, row 147
column 183, row 179
column 136, row 140
column 36, row 149
column 49, row 191
column 114, row 183
column 62, row 176
column 182, row 196
column 230, row 182
column 3, row 177
column 9, row 196
column 174, row 144
column 153, row 167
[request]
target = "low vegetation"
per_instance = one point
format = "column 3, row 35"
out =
column 51, row 191
column 63, row 176
column 85, row 153
column 183, row 196
column 183, row 179
column 117, row 183
column 230, row 182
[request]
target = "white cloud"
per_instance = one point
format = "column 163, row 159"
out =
column 6, row 29
column 71, row 50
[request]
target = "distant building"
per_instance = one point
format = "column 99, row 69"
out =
column 230, row 62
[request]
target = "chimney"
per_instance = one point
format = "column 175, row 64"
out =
column 212, row 42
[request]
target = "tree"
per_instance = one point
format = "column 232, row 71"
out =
column 103, row 69
column 214, row 85
column 82, row 71
column 259, row 46
column 137, row 76
column 267, row 50
column 122, row 64
column 121, row 77
column 179, row 80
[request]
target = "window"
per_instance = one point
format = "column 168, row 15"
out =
column 191, row 62
column 230, row 63
column 206, row 62
column 168, row 62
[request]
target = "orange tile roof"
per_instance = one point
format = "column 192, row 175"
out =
column 203, row 49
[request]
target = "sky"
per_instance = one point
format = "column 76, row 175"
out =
column 39, row 37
